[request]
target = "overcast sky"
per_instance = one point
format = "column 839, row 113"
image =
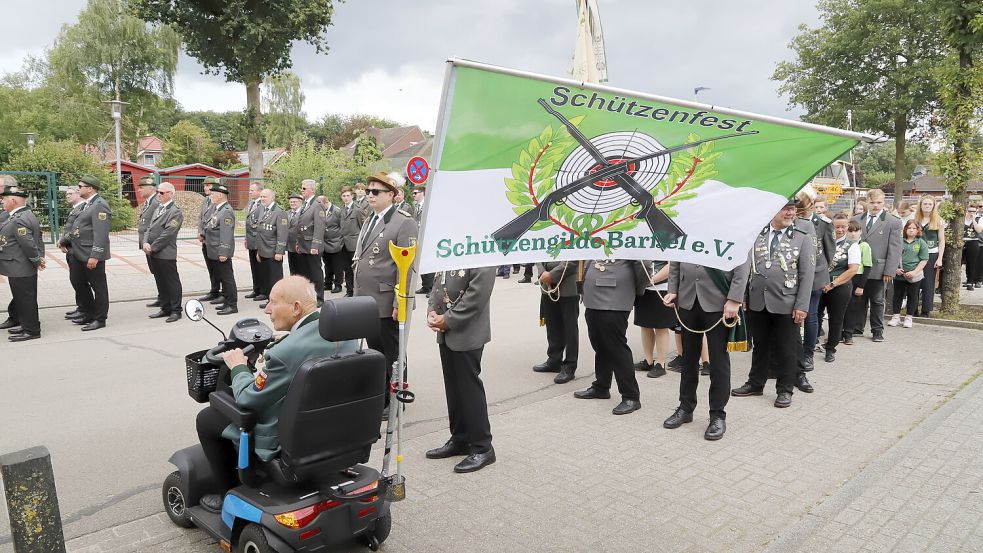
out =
column 387, row 56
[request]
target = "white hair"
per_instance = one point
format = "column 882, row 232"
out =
column 165, row 187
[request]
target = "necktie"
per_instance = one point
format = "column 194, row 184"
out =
column 775, row 234
column 160, row 212
column 870, row 222
column 375, row 219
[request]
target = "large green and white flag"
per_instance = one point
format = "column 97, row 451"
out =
column 531, row 168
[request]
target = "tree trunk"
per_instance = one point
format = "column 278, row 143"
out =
column 900, row 129
column 254, row 142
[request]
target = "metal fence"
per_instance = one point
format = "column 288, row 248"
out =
column 43, row 199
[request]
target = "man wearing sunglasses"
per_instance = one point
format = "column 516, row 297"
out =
column 161, row 250
column 148, row 193
column 375, row 270
column 88, row 242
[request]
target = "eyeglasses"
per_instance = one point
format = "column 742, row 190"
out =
column 376, row 191
column 163, row 191
column 84, row 186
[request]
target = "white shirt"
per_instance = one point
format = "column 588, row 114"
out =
column 852, row 253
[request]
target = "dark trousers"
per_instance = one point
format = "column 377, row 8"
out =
column 219, row 451
column 91, row 290
column 836, row 302
column 426, row 282
column 334, row 269
column 255, row 273
column 905, row 290
column 775, row 338
column 607, row 331
column 689, row 380
column 168, row 284
column 387, row 343
column 293, row 263
column 926, row 287
column 971, row 253
column 872, row 300
column 346, row 263
column 811, row 332
column 160, row 298
column 310, row 266
column 271, row 272
column 12, row 311
column 228, row 279
column 562, row 330
column 467, row 407
column 215, row 281
column 24, row 305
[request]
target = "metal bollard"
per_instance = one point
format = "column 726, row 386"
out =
column 32, row 502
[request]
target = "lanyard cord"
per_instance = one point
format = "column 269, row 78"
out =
column 675, row 308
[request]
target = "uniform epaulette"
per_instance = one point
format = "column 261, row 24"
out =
column 825, row 218
column 404, row 213
column 797, row 229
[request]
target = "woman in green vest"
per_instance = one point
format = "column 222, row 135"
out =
column 914, row 257
column 933, row 233
column 836, row 295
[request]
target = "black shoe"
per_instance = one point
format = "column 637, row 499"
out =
column 263, row 305
column 678, row 418
column 475, row 461
column 626, row 406
column 176, row 316
column 209, row 296
column 643, row 365
column 73, row 313
column 251, row 295
column 525, row 280
column 656, row 371
column 16, row 330
column 82, row 320
column 158, row 315
column 546, row 368
column 227, row 310
column 676, row 365
column 592, row 393
column 154, row 304
column 715, row 430
column 261, row 297
column 807, row 363
column 211, row 503
column 218, row 301
column 746, row 390
column 505, row 276
column 337, row 290
column 349, row 294
column 705, row 369
column 783, row 400
column 449, row 449
column 847, row 340
column 516, row 268
column 802, row 383
column 23, row 337
column 566, row 375
column 829, row 357
column 94, row 325
column 878, row 337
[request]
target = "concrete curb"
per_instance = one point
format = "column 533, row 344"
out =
column 793, row 537
column 950, row 323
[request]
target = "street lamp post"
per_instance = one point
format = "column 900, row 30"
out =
column 117, row 107
column 30, row 140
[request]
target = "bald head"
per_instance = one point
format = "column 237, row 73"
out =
column 291, row 299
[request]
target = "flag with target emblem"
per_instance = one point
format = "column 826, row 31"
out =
column 533, row 168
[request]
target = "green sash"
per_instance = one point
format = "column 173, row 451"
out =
column 738, row 338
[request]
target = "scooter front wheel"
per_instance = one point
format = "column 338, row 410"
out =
column 253, row 540
column 175, row 503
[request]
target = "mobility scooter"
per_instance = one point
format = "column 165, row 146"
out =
column 315, row 493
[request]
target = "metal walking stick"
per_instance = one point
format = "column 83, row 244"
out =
column 396, row 491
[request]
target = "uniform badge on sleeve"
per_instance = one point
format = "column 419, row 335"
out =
column 283, row 221
column 173, row 222
column 261, row 377
column 102, row 216
column 22, row 231
column 228, row 220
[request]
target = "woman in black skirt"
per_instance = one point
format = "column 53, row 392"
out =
column 655, row 320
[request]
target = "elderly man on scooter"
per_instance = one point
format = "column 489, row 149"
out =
column 292, row 307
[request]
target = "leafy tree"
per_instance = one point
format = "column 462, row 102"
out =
column 69, row 160
column 367, row 151
column 961, row 83
column 339, row 130
column 227, row 129
column 873, row 57
column 284, row 103
column 187, row 143
column 308, row 160
column 246, row 41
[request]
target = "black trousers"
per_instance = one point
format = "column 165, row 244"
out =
column 255, row 273
column 467, row 406
column 168, row 284
column 310, row 266
column 426, row 282
column 872, row 300
column 835, row 302
column 160, row 298
column 905, row 290
column 607, row 331
column 776, row 343
column 91, row 290
column 219, row 451
column 227, row 277
column 12, row 311
column 689, row 379
column 213, row 278
column 271, row 272
column 346, row 260
column 971, row 253
column 926, row 288
column 334, row 269
column 24, row 305
column 293, row 263
column 562, row 330
column 387, row 343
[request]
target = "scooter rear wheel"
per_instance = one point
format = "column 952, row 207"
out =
column 252, row 539
column 175, row 503
column 383, row 525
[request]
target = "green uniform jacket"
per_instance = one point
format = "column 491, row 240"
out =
column 88, row 237
column 220, row 232
column 263, row 392
column 21, row 247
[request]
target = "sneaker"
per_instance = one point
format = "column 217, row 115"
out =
column 907, row 322
column 643, row 365
column 847, row 340
column 656, row 371
column 895, row 320
column 877, row 337
column 705, row 369
column 819, row 348
column 676, row 364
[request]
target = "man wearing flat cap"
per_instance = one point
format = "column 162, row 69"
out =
column 21, row 257
column 310, row 238
column 375, row 271
column 148, row 206
column 220, row 246
column 88, row 242
column 204, row 216
column 294, row 201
